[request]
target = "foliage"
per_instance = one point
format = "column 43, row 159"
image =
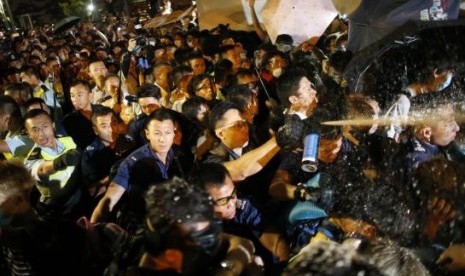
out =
column 74, row 7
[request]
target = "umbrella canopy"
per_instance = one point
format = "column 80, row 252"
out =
column 65, row 23
column 301, row 19
column 162, row 20
column 383, row 68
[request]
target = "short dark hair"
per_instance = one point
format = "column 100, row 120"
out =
column 33, row 101
column 84, row 83
column 24, row 89
column 217, row 113
column 161, row 114
column 191, row 107
column 148, row 90
column 30, row 71
column 226, row 48
column 194, row 55
column 171, row 204
column 8, row 105
column 240, row 94
column 210, row 174
column 270, row 55
column 100, row 111
column 35, row 113
column 288, row 85
column 15, row 178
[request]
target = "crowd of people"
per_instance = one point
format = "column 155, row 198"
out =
column 131, row 151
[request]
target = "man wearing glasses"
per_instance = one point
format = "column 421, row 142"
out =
column 240, row 216
column 235, row 151
column 152, row 163
column 247, row 162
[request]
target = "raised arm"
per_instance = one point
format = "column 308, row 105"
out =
column 253, row 161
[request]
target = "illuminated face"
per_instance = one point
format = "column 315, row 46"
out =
column 41, row 130
column 232, row 129
column 305, row 100
column 224, row 199
column 81, row 97
column 206, row 89
column 198, row 66
column 160, row 135
column 445, row 129
column 235, row 57
column 105, row 128
column 148, row 105
column 98, row 71
column 111, row 86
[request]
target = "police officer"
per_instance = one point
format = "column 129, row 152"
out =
column 148, row 98
column 152, row 163
column 53, row 163
column 104, row 152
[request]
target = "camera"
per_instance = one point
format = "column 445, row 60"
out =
column 141, row 40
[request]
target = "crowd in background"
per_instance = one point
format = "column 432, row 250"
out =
column 132, row 151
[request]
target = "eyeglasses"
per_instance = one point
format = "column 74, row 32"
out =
column 225, row 200
column 237, row 124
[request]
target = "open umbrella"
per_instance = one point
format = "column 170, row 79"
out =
column 65, row 23
column 301, row 19
column 383, row 68
column 163, row 20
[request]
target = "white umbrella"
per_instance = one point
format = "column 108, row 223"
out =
column 301, row 19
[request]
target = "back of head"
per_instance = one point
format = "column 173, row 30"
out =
column 15, row 179
column 173, row 210
column 148, row 90
column 210, row 175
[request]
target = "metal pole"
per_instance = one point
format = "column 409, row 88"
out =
column 12, row 21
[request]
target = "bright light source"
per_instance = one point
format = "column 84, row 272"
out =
column 90, row 7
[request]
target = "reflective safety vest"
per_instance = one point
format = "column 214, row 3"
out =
column 8, row 155
column 55, row 183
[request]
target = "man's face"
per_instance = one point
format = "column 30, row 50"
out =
column 206, row 90
column 98, row 71
column 198, row 66
column 306, row 97
column 445, row 128
column 148, row 105
column 81, row 97
column 235, row 57
column 160, row 135
column 224, row 199
column 232, row 129
column 111, row 86
column 55, row 67
column 329, row 149
column 105, row 128
column 41, row 130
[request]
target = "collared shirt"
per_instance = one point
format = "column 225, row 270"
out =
column 248, row 220
column 33, row 165
column 421, row 152
column 142, row 168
